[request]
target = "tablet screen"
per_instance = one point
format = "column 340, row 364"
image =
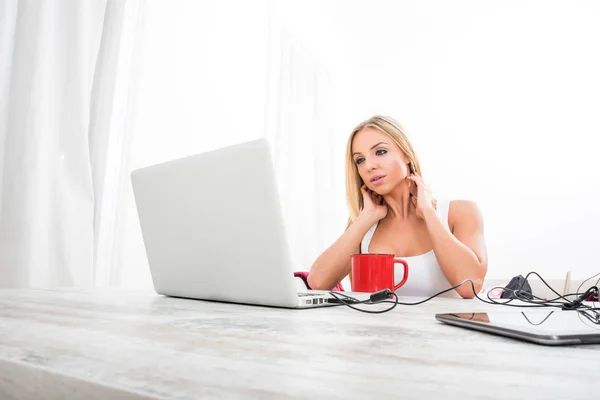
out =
column 537, row 322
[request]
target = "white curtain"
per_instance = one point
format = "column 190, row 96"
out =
column 67, row 79
column 299, row 127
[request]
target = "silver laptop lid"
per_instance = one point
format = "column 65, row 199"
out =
column 213, row 228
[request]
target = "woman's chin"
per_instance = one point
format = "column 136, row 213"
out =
column 385, row 189
column 382, row 191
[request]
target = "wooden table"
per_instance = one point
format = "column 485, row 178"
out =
column 106, row 344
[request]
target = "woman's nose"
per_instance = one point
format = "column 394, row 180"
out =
column 370, row 165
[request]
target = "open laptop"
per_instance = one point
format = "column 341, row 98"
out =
column 213, row 229
column 541, row 327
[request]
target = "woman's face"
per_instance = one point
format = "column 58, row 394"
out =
column 380, row 162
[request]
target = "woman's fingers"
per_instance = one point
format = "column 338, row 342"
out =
column 375, row 197
column 418, row 184
column 365, row 192
column 414, row 178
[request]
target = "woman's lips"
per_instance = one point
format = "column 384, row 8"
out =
column 377, row 180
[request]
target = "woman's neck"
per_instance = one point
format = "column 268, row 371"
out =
column 399, row 202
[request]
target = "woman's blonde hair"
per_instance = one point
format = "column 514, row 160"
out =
column 354, row 182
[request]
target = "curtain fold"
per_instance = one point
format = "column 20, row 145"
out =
column 63, row 106
column 299, row 127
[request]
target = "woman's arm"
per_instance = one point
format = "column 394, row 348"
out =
column 334, row 264
column 461, row 252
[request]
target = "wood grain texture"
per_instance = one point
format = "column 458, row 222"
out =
column 134, row 345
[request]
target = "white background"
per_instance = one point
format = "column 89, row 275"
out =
column 500, row 99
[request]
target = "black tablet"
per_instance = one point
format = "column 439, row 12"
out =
column 542, row 327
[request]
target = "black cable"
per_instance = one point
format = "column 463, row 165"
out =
column 545, row 283
column 542, row 302
column 539, row 323
column 525, row 297
column 594, row 320
column 568, row 304
column 591, row 277
column 350, row 300
column 597, row 294
column 533, row 301
column 593, row 309
column 577, row 302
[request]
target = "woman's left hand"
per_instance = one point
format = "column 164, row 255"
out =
column 422, row 200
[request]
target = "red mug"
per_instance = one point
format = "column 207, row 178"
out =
column 375, row 272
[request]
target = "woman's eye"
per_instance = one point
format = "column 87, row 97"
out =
column 359, row 160
column 380, row 152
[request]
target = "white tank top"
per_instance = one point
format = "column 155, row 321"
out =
column 425, row 276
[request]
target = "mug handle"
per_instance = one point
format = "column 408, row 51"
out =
column 405, row 277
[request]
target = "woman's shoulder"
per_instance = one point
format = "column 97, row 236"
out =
column 463, row 211
column 461, row 206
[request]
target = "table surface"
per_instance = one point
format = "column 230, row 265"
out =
column 111, row 344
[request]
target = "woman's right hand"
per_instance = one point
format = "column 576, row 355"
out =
column 374, row 207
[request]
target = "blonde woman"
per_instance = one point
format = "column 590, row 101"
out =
column 392, row 211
